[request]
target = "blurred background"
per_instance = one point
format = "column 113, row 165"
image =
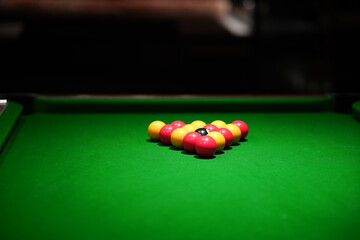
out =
column 179, row 46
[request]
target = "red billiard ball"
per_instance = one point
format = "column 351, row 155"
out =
column 165, row 134
column 228, row 136
column 178, row 124
column 190, row 140
column 243, row 128
column 205, row 146
column 211, row 127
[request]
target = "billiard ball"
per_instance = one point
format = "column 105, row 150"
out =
column 177, row 137
column 211, row 127
column 190, row 127
column 228, row 136
column 198, row 123
column 219, row 123
column 202, row 131
column 205, row 146
column 235, row 130
column 178, row 123
column 154, row 129
column 165, row 134
column 219, row 139
column 189, row 141
column 243, row 128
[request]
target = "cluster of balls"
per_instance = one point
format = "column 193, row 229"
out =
column 198, row 137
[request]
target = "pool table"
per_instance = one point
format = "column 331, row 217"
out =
column 84, row 168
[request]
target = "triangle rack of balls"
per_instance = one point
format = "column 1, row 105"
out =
column 198, row 137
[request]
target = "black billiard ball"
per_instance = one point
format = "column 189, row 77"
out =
column 202, row 131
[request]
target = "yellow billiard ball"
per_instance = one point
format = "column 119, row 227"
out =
column 190, row 127
column 235, row 130
column 198, row 124
column 154, row 129
column 219, row 138
column 219, row 123
column 177, row 137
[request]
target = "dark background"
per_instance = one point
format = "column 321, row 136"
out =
column 297, row 47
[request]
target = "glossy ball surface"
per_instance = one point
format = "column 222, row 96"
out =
column 198, row 123
column 211, row 127
column 202, row 131
column 244, row 128
column 165, row 134
column 219, row 139
column 219, row 123
column 205, row 146
column 190, row 140
column 154, row 129
column 177, row 137
column 235, row 130
column 178, row 123
column 190, row 127
column 227, row 135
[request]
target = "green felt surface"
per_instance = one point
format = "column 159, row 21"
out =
column 96, row 176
